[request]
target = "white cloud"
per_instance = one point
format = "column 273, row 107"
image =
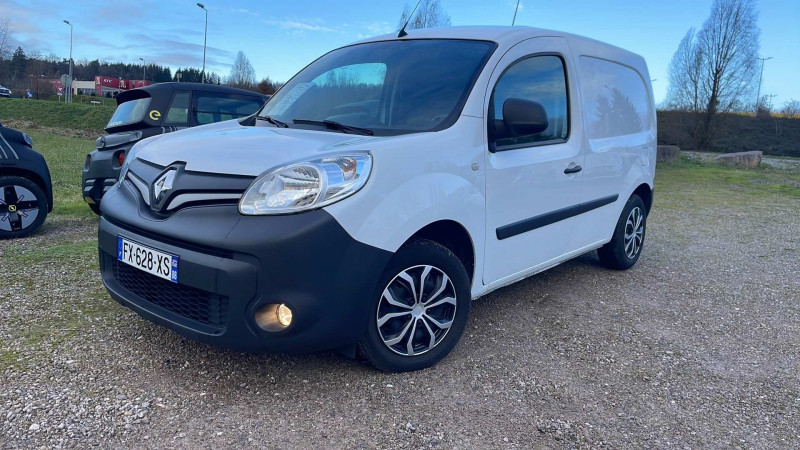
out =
column 301, row 24
column 244, row 11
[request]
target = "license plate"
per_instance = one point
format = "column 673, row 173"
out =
column 154, row 262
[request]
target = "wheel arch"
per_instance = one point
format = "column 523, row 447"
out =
column 645, row 192
column 453, row 236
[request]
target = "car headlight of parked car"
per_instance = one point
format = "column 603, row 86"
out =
column 28, row 140
column 308, row 185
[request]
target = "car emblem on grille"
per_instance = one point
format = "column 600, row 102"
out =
column 162, row 188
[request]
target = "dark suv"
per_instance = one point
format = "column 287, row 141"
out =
column 26, row 193
column 157, row 109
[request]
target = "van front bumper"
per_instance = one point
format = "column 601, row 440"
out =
column 232, row 265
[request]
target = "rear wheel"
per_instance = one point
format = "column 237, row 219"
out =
column 421, row 310
column 23, row 207
column 626, row 245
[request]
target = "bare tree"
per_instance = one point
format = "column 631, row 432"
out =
column 791, row 109
column 242, row 73
column 684, row 75
column 6, row 38
column 429, row 14
column 715, row 68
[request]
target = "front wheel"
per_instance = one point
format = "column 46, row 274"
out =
column 23, row 207
column 626, row 245
column 420, row 311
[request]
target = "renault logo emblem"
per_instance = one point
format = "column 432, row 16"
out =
column 162, row 187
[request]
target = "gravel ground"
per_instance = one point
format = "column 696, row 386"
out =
column 696, row 346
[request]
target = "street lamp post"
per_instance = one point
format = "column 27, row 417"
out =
column 760, row 77
column 144, row 73
column 69, row 87
column 205, row 40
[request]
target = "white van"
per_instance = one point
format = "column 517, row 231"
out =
column 382, row 188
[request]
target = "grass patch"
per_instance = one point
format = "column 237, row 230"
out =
column 57, row 115
column 61, row 253
column 65, row 156
column 8, row 358
column 700, row 182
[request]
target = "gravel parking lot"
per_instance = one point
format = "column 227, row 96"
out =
column 696, row 346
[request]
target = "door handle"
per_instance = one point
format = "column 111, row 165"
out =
column 573, row 169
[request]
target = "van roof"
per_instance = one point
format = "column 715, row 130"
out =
column 502, row 35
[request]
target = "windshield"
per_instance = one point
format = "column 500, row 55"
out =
column 129, row 112
column 389, row 88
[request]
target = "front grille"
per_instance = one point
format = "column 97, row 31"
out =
column 192, row 303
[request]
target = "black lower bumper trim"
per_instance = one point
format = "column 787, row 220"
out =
column 306, row 261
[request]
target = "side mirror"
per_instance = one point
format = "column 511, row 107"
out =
column 524, row 117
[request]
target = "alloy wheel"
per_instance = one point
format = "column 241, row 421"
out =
column 19, row 208
column 416, row 310
column 634, row 232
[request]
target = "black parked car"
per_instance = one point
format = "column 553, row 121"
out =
column 157, row 109
column 26, row 192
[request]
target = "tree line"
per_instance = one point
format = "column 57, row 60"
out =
column 20, row 70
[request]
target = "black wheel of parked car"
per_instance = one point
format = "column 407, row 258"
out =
column 23, row 207
column 626, row 245
column 420, row 309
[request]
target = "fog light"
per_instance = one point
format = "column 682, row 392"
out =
column 273, row 317
column 284, row 315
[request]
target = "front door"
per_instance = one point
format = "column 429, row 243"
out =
column 533, row 181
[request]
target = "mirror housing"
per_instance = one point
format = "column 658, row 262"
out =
column 524, row 117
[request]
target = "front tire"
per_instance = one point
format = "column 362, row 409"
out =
column 23, row 207
column 625, row 247
column 419, row 311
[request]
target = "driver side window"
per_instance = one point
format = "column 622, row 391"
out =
column 540, row 79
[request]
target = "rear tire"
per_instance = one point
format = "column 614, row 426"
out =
column 23, row 207
column 419, row 310
column 625, row 247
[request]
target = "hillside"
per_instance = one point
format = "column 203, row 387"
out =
column 56, row 115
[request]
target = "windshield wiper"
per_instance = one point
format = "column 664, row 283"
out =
column 275, row 122
column 332, row 125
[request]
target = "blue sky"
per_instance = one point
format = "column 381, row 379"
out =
column 280, row 38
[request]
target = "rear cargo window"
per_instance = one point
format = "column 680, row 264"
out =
column 129, row 112
column 615, row 99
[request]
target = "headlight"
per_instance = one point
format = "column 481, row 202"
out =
column 28, row 140
column 305, row 186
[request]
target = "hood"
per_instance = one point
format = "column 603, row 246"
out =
column 230, row 148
